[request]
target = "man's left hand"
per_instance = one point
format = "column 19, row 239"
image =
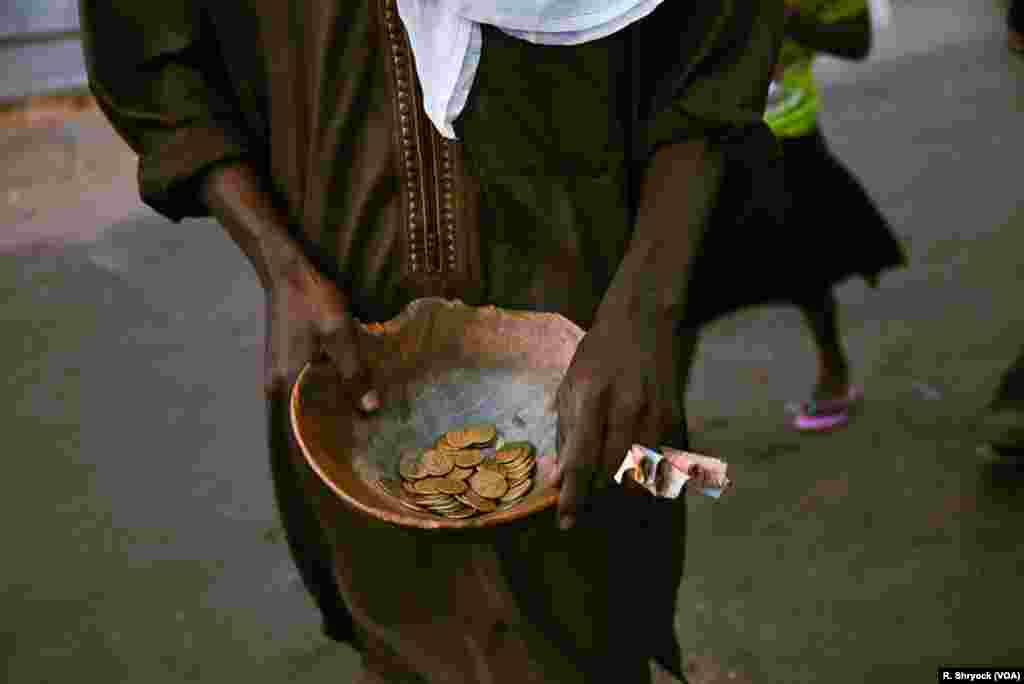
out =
column 621, row 388
column 623, row 385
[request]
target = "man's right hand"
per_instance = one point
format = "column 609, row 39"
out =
column 308, row 316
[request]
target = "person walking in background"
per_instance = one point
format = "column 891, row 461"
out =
column 820, row 185
column 807, row 229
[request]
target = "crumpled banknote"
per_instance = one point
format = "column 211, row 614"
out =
column 669, row 473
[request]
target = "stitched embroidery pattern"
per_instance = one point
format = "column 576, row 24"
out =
column 431, row 223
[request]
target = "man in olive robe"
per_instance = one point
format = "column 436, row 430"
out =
column 580, row 182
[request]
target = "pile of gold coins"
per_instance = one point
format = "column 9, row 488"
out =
column 463, row 475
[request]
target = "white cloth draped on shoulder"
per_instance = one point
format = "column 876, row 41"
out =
column 446, row 38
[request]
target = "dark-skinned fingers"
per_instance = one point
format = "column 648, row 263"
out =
column 669, row 426
column 626, row 415
column 560, row 431
column 340, row 343
column 289, row 349
column 566, row 415
column 576, row 479
column 661, row 417
column 577, row 395
column 578, row 466
column 631, row 484
column 664, row 474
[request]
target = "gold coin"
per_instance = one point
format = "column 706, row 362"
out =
column 512, row 483
column 411, row 506
column 467, row 512
column 519, row 482
column 446, row 508
column 510, row 465
column 490, row 465
column 441, row 508
column 483, row 433
column 390, row 486
column 431, row 499
column 531, row 459
column 471, row 498
column 439, row 500
column 450, row 485
column 460, row 473
column 410, row 466
column 442, row 444
column 429, row 507
column 514, row 451
column 519, row 472
column 409, row 501
column 517, row 491
column 488, row 484
column 427, row 486
column 437, row 463
column 520, row 458
column 470, row 435
column 458, row 439
column 468, row 458
column 517, row 466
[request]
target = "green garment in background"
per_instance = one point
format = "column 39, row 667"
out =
column 794, row 102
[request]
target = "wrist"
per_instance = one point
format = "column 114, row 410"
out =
column 235, row 196
column 647, row 290
column 220, row 180
column 283, row 260
column 678, row 192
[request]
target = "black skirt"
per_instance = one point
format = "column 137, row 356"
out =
column 787, row 234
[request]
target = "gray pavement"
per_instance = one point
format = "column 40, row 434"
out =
column 40, row 48
column 42, row 67
column 142, row 541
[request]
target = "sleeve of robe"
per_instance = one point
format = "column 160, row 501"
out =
column 722, row 93
column 721, row 96
column 838, row 10
column 154, row 72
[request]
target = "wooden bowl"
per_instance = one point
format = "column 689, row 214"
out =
column 438, row 366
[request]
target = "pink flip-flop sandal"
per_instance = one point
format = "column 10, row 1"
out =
column 827, row 414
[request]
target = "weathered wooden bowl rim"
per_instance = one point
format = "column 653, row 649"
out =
column 540, row 503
